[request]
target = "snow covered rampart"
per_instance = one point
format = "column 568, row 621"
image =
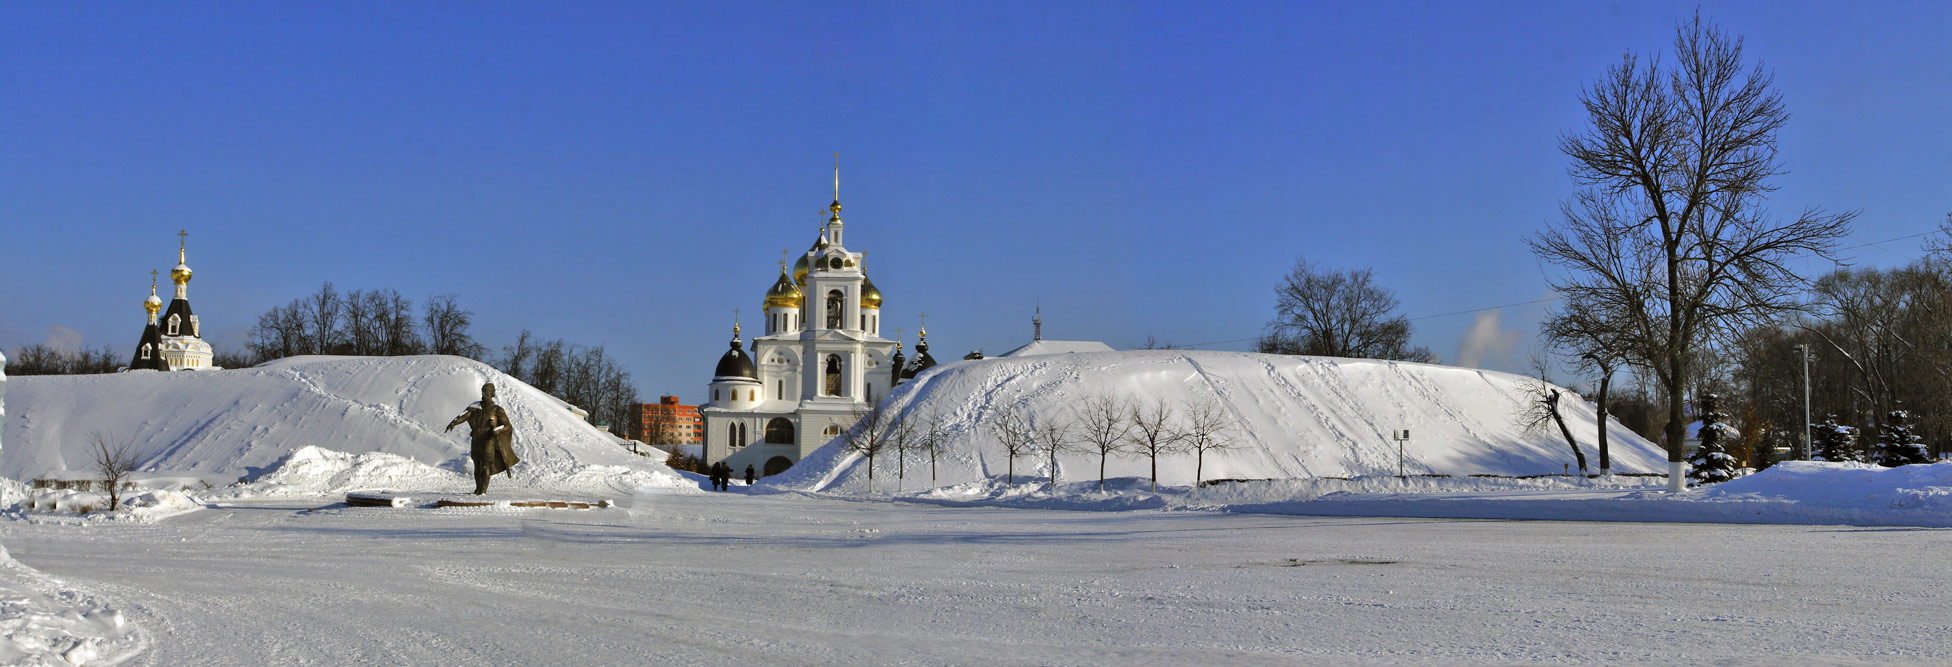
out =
column 1292, row 417
column 227, row 424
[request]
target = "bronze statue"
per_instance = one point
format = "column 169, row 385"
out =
column 492, row 437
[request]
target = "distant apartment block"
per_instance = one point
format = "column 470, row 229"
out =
column 680, row 422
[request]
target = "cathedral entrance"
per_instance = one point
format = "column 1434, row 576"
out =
column 777, row 465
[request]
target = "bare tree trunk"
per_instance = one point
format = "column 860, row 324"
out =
column 1606, row 464
column 1552, row 405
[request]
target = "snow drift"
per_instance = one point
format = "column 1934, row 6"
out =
column 223, row 425
column 1292, row 417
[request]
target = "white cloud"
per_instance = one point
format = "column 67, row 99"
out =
column 63, row 338
column 1487, row 344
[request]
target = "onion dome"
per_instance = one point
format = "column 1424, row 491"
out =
column 180, row 274
column 870, row 297
column 784, row 294
column 153, row 304
column 735, row 363
column 805, row 264
column 922, row 360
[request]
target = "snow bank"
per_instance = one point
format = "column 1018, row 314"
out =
column 1294, row 417
column 1796, row 492
column 1848, row 487
column 45, row 622
column 312, row 419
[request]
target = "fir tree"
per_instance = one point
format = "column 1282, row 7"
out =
column 1835, row 442
column 1897, row 444
column 1710, row 463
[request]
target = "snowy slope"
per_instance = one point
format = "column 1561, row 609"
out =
column 1295, row 417
column 222, row 425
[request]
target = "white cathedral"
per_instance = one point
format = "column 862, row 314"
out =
column 174, row 343
column 820, row 363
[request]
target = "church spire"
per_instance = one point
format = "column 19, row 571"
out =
column 833, row 227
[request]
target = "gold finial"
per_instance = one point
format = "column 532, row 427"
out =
column 735, row 323
column 152, row 281
column 925, row 326
column 183, row 238
column 783, row 254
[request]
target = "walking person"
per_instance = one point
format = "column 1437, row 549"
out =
column 748, row 475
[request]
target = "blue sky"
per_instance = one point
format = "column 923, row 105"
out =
column 626, row 174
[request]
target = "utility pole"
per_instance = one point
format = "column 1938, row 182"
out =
column 1805, row 350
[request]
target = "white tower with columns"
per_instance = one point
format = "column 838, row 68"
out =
column 821, row 361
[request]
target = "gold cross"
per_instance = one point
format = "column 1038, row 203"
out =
column 183, row 238
column 782, row 259
column 152, row 277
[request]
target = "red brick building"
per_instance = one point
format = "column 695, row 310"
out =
column 681, row 421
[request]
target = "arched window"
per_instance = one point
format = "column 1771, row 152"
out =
column 779, row 431
column 752, row 394
column 173, row 321
column 833, row 375
column 834, row 309
column 833, row 430
column 777, row 465
column 145, row 350
column 731, row 435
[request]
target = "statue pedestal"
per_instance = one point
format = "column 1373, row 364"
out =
column 400, row 499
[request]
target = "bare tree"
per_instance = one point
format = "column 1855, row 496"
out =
column 930, row 437
column 1205, row 429
column 1106, row 420
column 1154, row 433
column 1596, row 342
column 324, row 311
column 1541, row 407
column 1014, row 431
column 1338, row 313
column 871, row 435
column 1669, row 229
column 115, row 460
column 1053, row 434
column 395, row 323
column 903, row 436
column 447, row 326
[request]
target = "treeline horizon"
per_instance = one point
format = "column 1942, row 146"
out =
column 383, row 323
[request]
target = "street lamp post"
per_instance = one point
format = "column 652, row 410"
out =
column 1805, row 350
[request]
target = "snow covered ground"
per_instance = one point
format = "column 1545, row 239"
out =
column 788, row 578
column 1290, row 417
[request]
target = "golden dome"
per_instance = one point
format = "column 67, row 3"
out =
column 870, row 297
column 800, row 269
column 152, row 304
column 784, row 294
column 180, row 274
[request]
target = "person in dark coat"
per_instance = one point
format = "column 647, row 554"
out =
column 748, row 475
column 721, row 476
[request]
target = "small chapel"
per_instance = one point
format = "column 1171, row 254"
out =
column 820, row 361
column 174, row 343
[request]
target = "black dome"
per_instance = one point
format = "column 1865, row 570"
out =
column 735, row 364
